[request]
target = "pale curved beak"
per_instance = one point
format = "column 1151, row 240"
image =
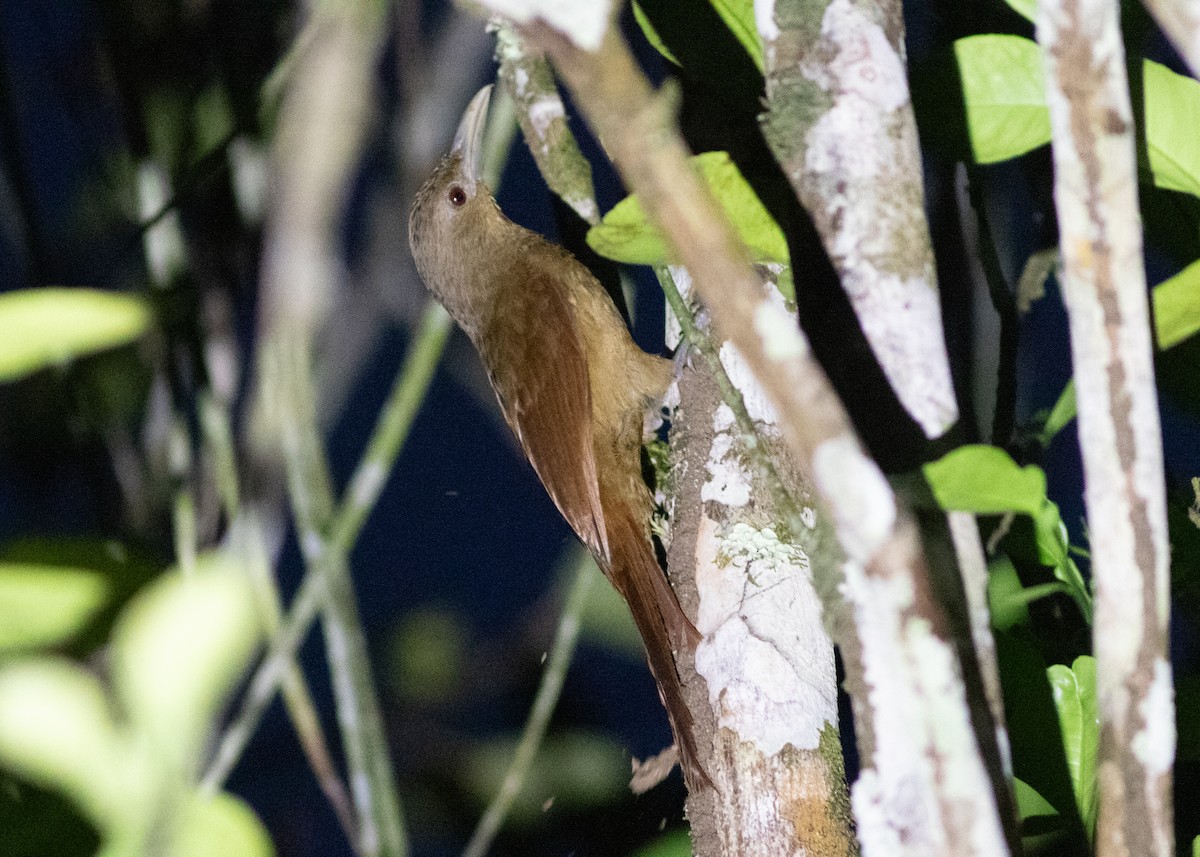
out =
column 468, row 140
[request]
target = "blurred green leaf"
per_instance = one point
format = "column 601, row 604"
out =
column 1172, row 115
column 985, row 480
column 1177, row 307
column 1030, row 804
column 176, row 652
column 738, row 16
column 426, row 655
column 56, row 731
column 219, row 826
column 626, row 235
column 50, row 326
column 651, row 34
column 1025, row 8
column 1074, row 693
column 575, row 769
column 677, row 843
column 1060, row 415
column 606, row 621
column 41, row 605
column 1005, row 93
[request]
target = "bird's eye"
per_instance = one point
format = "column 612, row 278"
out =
column 457, row 195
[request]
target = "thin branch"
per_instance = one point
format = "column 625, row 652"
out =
column 1104, row 288
column 321, row 128
column 387, row 439
column 548, row 692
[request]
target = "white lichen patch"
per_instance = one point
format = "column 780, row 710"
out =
column 764, row 20
column 1154, row 743
column 779, row 332
column 765, row 656
column 857, row 495
column 520, row 81
column 543, row 112
column 583, row 23
column 728, row 480
column 585, row 207
column 866, row 64
column 808, row 515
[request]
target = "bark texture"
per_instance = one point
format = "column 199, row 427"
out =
column 1104, row 287
column 763, row 676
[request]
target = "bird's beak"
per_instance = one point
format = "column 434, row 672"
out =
column 468, row 140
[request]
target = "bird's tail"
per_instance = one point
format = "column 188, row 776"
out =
column 665, row 628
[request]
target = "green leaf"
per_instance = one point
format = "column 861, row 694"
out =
column 1177, row 307
column 1030, row 804
column 176, row 652
column 652, row 35
column 1060, row 415
column 51, row 326
column 1005, row 93
column 41, row 605
column 985, row 480
column 677, row 843
column 56, row 731
column 1027, row 9
column 218, row 826
column 1172, row 116
column 577, row 769
column 626, row 235
column 1074, row 693
column 738, row 15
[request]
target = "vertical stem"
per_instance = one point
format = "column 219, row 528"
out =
column 1104, row 288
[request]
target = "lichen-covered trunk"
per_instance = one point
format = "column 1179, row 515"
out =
column 1104, row 287
column 762, row 680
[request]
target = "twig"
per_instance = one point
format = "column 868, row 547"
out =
column 391, row 430
column 320, row 134
column 1180, row 20
column 1104, row 288
column 548, row 692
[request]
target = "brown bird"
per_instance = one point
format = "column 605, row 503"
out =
column 572, row 384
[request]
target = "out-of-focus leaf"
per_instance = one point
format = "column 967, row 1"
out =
column 985, row 480
column 1172, row 115
column 427, row 654
column 1030, row 804
column 1005, row 92
column 1177, row 307
column 738, row 15
column 220, row 826
column 56, row 731
column 1074, row 690
column 651, row 34
column 1025, row 8
column 50, row 326
column 176, row 652
column 43, row 605
column 575, row 769
column 626, row 235
column 677, row 843
column 1060, row 415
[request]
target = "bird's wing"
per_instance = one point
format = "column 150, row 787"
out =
column 539, row 370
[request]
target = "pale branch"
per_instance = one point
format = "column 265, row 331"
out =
column 1104, row 288
column 321, row 127
column 924, row 788
column 839, row 119
column 527, row 78
column 840, row 122
column 1180, row 20
column 761, row 683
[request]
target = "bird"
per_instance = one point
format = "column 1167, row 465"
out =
column 571, row 383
